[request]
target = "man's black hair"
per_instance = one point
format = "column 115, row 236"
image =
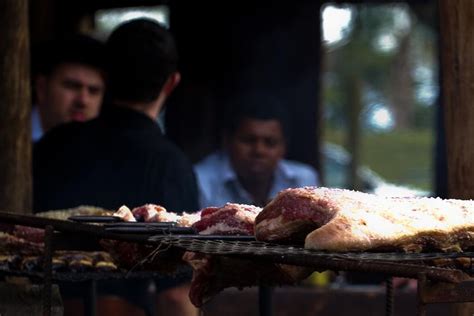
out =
column 74, row 48
column 259, row 106
column 141, row 56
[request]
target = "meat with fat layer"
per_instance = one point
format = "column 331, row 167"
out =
column 230, row 219
column 293, row 214
column 153, row 213
column 125, row 214
column 344, row 220
column 188, row 219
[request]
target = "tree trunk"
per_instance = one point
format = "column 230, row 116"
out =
column 354, row 137
column 15, row 126
column 402, row 86
column 457, row 49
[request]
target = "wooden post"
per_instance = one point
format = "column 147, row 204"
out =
column 15, row 126
column 457, row 51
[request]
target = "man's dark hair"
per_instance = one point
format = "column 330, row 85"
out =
column 141, row 56
column 74, row 48
column 259, row 106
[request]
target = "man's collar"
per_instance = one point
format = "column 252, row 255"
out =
column 227, row 171
column 120, row 116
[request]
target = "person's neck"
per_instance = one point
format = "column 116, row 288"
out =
column 151, row 109
column 259, row 189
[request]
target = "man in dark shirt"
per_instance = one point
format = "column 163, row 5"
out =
column 121, row 157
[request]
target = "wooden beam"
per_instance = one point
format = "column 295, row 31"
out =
column 457, row 62
column 15, row 126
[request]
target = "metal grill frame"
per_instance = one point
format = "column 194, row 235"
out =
column 435, row 285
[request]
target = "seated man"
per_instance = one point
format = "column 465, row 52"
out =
column 69, row 81
column 250, row 169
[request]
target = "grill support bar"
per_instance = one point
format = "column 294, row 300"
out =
column 431, row 292
column 421, row 307
column 389, row 297
column 48, row 271
column 90, row 301
column 389, row 268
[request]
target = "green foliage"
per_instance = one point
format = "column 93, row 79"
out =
column 401, row 157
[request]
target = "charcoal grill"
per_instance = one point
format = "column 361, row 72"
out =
column 435, row 284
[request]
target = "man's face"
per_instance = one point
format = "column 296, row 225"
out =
column 255, row 148
column 72, row 92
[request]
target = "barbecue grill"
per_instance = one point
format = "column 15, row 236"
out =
column 435, row 284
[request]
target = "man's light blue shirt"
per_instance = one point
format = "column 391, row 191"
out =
column 36, row 129
column 218, row 183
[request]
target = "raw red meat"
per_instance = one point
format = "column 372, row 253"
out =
column 149, row 213
column 32, row 234
column 213, row 274
column 13, row 244
column 294, row 213
column 230, row 219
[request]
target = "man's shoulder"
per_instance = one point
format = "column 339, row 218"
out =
column 302, row 172
column 297, row 166
column 212, row 170
column 61, row 134
column 164, row 149
column 210, row 160
column 210, row 165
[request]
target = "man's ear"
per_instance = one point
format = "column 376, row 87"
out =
column 171, row 83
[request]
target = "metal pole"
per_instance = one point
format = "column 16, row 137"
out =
column 90, row 300
column 421, row 311
column 48, row 270
column 389, row 297
column 265, row 305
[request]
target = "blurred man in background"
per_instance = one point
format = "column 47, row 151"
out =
column 251, row 168
column 69, row 82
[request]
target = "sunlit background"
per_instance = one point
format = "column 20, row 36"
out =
column 107, row 20
column 381, row 62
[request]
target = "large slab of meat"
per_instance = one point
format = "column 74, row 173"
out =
column 344, row 220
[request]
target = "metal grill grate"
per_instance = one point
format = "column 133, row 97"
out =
column 266, row 249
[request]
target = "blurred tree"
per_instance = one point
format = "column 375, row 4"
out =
column 386, row 59
column 384, row 46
